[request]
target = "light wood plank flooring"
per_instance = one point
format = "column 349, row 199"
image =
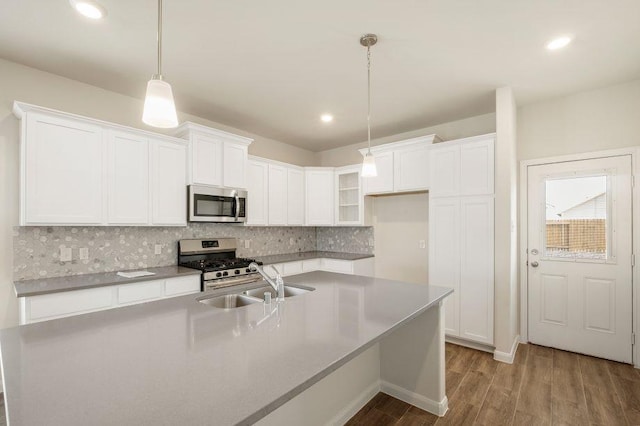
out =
column 543, row 386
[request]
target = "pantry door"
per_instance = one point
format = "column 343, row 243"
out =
column 580, row 256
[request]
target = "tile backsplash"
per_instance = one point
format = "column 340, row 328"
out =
column 37, row 249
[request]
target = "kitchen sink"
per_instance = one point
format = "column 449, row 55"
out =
column 229, row 301
column 289, row 291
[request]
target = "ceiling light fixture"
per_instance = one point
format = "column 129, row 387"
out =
column 159, row 108
column 369, row 163
column 326, row 118
column 558, row 43
column 89, row 8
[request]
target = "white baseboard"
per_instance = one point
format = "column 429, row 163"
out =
column 439, row 408
column 469, row 344
column 356, row 405
column 507, row 357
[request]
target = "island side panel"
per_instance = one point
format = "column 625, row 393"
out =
column 412, row 362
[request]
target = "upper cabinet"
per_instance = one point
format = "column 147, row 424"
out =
column 462, row 167
column 402, row 166
column 215, row 157
column 319, row 208
column 351, row 206
column 81, row 171
column 295, row 196
column 277, row 195
column 257, row 193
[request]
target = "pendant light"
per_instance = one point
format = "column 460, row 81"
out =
column 369, row 163
column 159, row 108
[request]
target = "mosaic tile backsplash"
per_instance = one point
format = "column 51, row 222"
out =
column 37, row 249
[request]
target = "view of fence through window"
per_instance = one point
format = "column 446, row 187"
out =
column 576, row 217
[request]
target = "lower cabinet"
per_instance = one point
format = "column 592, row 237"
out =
column 68, row 303
column 461, row 255
column 353, row 267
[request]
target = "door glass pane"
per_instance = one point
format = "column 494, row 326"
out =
column 576, row 218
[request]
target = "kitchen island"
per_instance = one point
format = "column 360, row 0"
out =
column 178, row 361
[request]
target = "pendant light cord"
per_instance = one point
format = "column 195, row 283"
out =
column 369, row 97
column 160, row 39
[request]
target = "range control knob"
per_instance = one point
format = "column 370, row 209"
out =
column 225, row 273
column 247, row 270
column 218, row 274
column 237, row 271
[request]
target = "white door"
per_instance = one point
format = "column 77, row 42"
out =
column 477, row 167
column 579, row 256
column 277, row 195
column 235, row 165
column 168, row 183
column 295, row 197
column 319, row 197
column 411, row 169
column 444, row 170
column 206, row 160
column 383, row 182
column 258, row 191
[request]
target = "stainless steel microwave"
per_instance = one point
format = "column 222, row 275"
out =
column 212, row 204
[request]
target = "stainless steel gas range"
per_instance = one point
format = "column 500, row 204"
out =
column 216, row 258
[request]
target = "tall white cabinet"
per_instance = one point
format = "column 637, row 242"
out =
column 319, row 196
column 461, row 234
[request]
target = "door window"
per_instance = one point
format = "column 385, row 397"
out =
column 576, row 216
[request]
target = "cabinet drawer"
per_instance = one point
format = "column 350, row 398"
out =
column 147, row 290
column 310, row 265
column 334, row 265
column 56, row 305
column 182, row 285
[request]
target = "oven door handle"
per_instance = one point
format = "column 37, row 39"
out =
column 237, row 198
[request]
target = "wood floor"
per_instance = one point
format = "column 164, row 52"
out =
column 542, row 387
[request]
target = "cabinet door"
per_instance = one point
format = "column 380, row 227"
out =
column 181, row 285
column 337, row 265
column 130, row 294
column 168, row 183
column 258, row 192
column 476, row 269
column 444, row 260
column 319, row 197
column 235, row 165
column 128, row 177
column 477, row 168
column 311, row 265
column 291, row 268
column 206, row 160
column 65, row 304
column 384, row 181
column 295, row 197
column 444, row 171
column 411, row 169
column 349, row 201
column 277, row 195
column 63, row 171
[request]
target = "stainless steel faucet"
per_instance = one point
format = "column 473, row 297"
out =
column 278, row 284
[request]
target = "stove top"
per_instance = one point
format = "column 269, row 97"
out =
column 212, row 265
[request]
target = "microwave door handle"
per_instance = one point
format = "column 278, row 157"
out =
column 237, row 198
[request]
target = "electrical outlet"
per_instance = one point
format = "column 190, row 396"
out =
column 158, row 249
column 84, row 253
column 65, row 254
column 422, row 244
column 247, row 244
column 370, row 242
column 291, row 242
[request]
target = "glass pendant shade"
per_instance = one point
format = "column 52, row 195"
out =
column 369, row 166
column 159, row 108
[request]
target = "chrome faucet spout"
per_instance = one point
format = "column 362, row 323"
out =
column 277, row 284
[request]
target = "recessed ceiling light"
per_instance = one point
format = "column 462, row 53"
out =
column 558, row 43
column 326, row 118
column 89, row 8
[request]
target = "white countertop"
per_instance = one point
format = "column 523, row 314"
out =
column 177, row 361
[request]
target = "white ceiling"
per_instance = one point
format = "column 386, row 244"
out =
column 272, row 67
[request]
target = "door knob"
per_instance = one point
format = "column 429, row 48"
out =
column 534, row 264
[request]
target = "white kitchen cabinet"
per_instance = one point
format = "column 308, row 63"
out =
column 291, row 268
column 352, row 208
column 215, row 157
column 128, row 182
column 235, row 164
column 353, row 267
column 310, row 265
column 383, row 182
column 258, row 193
column 444, row 258
column 277, row 195
column 295, row 196
column 476, row 268
column 62, row 170
column 411, row 168
column 462, row 167
column 205, row 152
column 168, row 183
column 69, row 303
column 319, row 195
column 402, row 166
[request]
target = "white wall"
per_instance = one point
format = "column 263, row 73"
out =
column 593, row 120
column 18, row 82
column 472, row 126
column 400, row 222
